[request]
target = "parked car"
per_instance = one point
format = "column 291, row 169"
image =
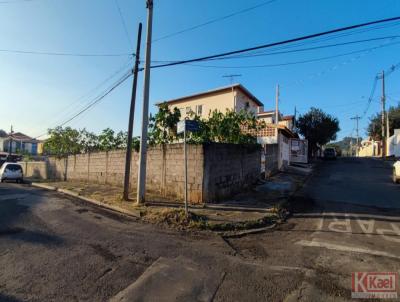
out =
column 11, row 171
column 396, row 172
column 330, row 153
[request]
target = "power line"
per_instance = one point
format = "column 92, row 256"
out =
column 392, row 69
column 95, row 101
column 124, row 24
column 310, row 48
column 67, row 110
column 294, row 50
column 15, row 1
column 67, row 54
column 342, row 29
column 371, row 95
column 295, row 62
column 213, row 21
column 98, row 99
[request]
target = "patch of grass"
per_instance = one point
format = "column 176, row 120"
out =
column 176, row 218
column 245, row 225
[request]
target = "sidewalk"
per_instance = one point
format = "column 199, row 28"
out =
column 257, row 208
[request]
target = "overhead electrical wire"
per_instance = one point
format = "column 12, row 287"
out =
column 67, row 109
column 124, row 24
column 213, row 21
column 295, row 50
column 15, row 1
column 66, row 54
column 269, row 45
column 294, row 62
column 95, row 101
column 392, row 69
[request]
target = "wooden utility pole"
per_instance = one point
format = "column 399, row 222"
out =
column 277, row 111
column 383, row 100
column 387, row 133
column 141, row 185
column 10, row 143
column 357, row 118
column 128, row 158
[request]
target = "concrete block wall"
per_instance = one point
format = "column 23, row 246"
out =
column 215, row 171
column 229, row 169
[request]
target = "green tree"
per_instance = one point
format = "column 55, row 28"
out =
column 375, row 125
column 89, row 141
column 318, row 128
column 162, row 126
column 107, row 140
column 229, row 127
column 63, row 142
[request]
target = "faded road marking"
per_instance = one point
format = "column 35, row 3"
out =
column 343, row 248
column 340, row 225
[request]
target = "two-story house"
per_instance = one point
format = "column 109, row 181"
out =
column 233, row 97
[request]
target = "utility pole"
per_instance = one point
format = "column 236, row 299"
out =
column 357, row 118
column 10, row 143
column 295, row 116
column 277, row 109
column 387, row 133
column 128, row 158
column 141, row 186
column 383, row 99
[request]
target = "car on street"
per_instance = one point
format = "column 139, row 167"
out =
column 396, row 172
column 330, row 153
column 11, row 171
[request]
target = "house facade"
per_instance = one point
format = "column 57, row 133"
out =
column 393, row 144
column 234, row 97
column 274, row 138
column 19, row 143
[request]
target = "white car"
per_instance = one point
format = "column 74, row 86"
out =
column 396, row 172
column 11, row 171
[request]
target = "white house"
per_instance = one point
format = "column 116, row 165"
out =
column 393, row 144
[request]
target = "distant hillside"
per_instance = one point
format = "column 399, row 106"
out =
column 344, row 144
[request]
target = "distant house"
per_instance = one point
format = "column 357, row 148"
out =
column 369, row 148
column 233, row 97
column 19, row 143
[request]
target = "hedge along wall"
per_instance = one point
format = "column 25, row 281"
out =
column 215, row 171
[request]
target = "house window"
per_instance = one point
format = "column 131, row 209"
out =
column 247, row 105
column 188, row 110
column 199, row 109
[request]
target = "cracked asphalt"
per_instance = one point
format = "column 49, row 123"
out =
column 57, row 248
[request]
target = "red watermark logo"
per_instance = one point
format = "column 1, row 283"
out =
column 374, row 285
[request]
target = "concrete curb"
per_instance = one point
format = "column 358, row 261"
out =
column 42, row 186
column 86, row 199
column 238, row 234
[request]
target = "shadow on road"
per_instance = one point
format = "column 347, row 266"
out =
column 6, row 298
column 17, row 222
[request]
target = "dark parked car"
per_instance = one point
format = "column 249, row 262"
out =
column 330, row 153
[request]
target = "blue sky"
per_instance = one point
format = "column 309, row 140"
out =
column 41, row 91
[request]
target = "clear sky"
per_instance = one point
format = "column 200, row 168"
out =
column 41, row 91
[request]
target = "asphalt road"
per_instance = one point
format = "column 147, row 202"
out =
column 56, row 248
